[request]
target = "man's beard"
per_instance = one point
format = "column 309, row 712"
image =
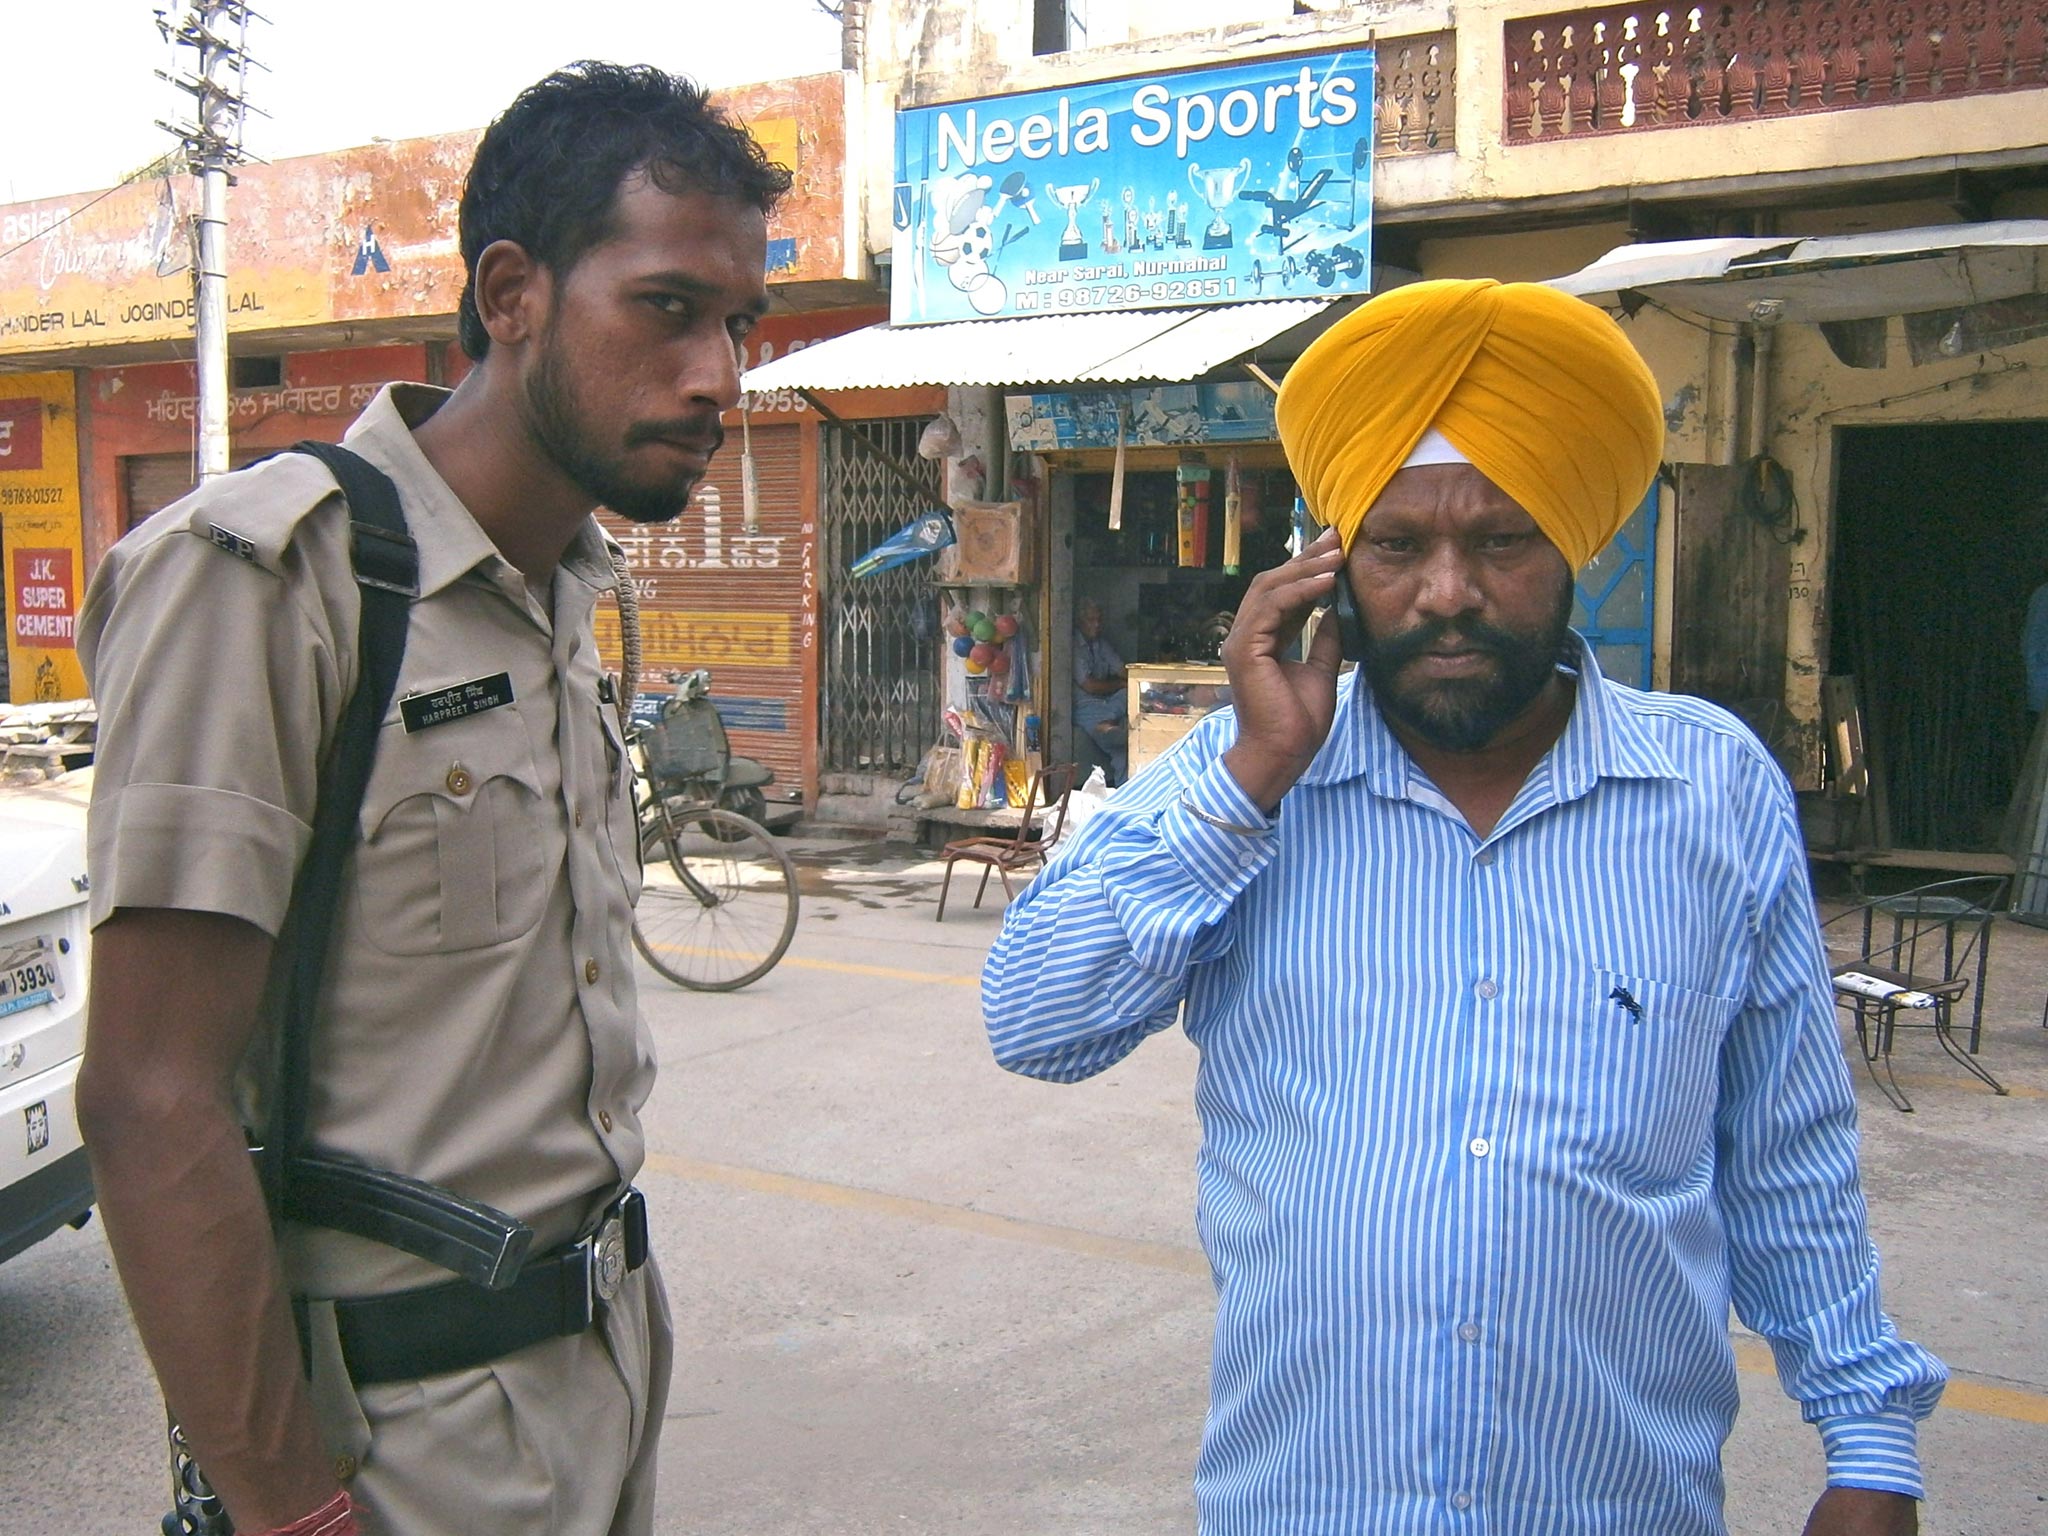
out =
column 562, row 431
column 1463, row 714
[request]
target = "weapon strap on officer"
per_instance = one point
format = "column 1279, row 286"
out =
column 480, row 1244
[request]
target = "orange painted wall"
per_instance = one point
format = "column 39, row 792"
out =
column 151, row 408
column 356, row 234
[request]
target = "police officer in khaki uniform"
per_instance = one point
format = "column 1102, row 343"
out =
column 478, row 1026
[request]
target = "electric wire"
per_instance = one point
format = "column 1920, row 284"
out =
column 160, row 164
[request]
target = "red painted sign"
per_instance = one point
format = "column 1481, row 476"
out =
column 45, row 598
column 21, row 434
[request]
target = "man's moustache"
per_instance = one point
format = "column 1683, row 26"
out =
column 703, row 435
column 1432, row 634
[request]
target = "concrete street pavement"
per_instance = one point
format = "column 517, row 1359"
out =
column 915, row 1294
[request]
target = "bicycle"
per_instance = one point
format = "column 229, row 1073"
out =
column 718, row 898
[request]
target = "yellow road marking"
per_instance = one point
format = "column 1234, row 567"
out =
column 1751, row 1355
column 1923, row 1081
column 846, row 967
column 892, row 973
column 848, row 1197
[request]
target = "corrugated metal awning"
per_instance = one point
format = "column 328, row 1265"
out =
column 1827, row 277
column 1120, row 347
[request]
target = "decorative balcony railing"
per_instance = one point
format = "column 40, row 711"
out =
column 1415, row 94
column 1627, row 68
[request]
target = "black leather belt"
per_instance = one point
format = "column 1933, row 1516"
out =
column 456, row 1326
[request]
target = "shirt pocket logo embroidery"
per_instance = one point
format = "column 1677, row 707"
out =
column 451, row 854
column 1649, row 1073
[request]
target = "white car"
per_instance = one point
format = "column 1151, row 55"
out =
column 44, row 1180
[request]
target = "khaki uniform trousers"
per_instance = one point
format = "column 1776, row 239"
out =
column 554, row 1440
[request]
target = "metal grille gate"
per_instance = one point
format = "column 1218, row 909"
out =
column 878, row 696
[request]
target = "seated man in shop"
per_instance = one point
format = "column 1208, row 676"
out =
column 1099, row 707
column 1519, row 1063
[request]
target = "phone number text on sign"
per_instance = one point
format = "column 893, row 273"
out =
column 1126, row 295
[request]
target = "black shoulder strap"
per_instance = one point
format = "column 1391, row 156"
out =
column 387, row 571
column 474, row 1240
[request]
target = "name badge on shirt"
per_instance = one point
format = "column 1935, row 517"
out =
column 421, row 710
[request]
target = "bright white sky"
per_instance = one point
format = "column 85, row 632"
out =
column 83, row 100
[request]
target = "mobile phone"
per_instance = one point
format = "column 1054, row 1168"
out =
column 1350, row 632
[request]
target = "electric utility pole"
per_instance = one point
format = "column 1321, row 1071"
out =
column 217, row 32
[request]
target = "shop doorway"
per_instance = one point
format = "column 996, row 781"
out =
column 878, row 694
column 1941, row 536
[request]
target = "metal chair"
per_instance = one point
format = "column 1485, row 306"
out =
column 1938, row 949
column 1025, row 850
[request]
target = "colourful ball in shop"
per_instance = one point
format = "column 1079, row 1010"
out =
column 973, row 617
column 962, row 644
column 981, row 653
column 1006, row 625
column 975, row 668
column 999, row 664
column 955, row 625
column 985, row 631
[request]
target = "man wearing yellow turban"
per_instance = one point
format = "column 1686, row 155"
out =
column 1539, row 391
column 1519, row 1062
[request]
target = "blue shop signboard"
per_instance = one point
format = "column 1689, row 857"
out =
column 1252, row 181
column 1150, row 416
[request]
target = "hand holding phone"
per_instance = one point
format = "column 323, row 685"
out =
column 1284, row 706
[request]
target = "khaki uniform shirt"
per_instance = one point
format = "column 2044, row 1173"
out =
column 479, row 1027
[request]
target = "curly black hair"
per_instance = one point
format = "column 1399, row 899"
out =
column 548, row 170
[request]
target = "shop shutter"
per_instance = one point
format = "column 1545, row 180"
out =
column 713, row 596
column 154, row 480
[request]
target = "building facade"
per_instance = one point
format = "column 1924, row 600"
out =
column 1858, row 427
column 345, row 275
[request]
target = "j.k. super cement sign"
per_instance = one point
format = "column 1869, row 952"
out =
column 1252, row 181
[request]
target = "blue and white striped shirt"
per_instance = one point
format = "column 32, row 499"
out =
column 1493, row 1129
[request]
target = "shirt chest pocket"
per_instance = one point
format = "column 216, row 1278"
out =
column 1649, row 1075
column 451, row 857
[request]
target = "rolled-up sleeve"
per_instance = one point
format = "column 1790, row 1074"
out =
column 217, row 685
column 1804, row 1272
column 1095, row 955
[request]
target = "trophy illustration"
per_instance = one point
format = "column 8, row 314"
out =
column 1072, row 246
column 1219, row 191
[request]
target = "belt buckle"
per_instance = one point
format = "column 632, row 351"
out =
column 607, row 1268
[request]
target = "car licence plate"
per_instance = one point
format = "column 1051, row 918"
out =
column 29, row 976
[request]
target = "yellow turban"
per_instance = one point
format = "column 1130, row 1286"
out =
column 1541, row 391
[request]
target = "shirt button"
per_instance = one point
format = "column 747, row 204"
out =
column 1479, row 1146
column 579, row 818
column 459, row 782
column 344, row 1467
column 590, row 971
column 1461, row 1501
column 1488, row 988
column 1468, row 1332
column 1483, row 857
column 604, row 1118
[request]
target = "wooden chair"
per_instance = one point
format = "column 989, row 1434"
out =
column 1025, row 849
column 1937, row 950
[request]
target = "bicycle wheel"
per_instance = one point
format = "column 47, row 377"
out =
column 718, row 906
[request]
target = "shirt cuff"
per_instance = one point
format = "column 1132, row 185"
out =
column 1877, row 1450
column 1198, row 830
